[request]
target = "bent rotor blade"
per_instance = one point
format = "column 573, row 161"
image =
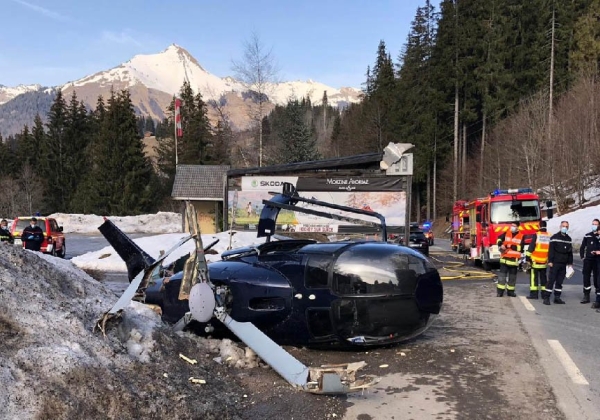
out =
column 135, row 283
column 337, row 379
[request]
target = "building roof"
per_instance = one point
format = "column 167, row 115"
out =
column 199, row 182
column 366, row 161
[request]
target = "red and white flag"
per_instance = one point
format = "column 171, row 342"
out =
column 178, row 128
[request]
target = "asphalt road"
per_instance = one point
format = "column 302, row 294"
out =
column 80, row 243
column 567, row 339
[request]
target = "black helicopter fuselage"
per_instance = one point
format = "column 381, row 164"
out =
column 342, row 294
column 299, row 292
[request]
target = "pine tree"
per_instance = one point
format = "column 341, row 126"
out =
column 221, row 143
column 165, row 154
column 76, row 140
column 136, row 195
column 297, row 143
column 38, row 138
column 9, row 159
column 585, row 55
column 53, row 157
column 379, row 102
column 26, row 150
column 336, row 135
column 193, row 146
column 141, row 125
column 149, row 126
column 86, row 198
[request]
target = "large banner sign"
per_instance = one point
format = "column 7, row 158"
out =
column 350, row 184
column 383, row 195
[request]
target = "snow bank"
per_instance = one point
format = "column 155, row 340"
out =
column 107, row 259
column 161, row 222
column 580, row 222
column 52, row 364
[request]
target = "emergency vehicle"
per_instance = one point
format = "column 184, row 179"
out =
column 491, row 216
column 460, row 226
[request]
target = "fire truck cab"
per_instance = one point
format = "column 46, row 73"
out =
column 491, row 217
column 460, row 226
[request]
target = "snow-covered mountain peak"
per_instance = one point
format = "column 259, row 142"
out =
column 153, row 79
column 167, row 70
column 7, row 93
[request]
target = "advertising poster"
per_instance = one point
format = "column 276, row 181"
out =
column 383, row 195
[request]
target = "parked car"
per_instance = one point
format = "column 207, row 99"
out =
column 417, row 241
column 54, row 238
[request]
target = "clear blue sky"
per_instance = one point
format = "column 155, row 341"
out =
column 331, row 41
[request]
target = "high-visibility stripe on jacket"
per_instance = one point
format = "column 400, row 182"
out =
column 511, row 256
column 539, row 255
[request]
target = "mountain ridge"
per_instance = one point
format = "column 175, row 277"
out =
column 153, row 79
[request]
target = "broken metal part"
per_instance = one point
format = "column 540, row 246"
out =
column 195, row 269
column 339, row 379
column 187, row 359
column 329, row 379
column 288, row 200
column 130, row 292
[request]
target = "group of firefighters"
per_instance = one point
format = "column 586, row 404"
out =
column 549, row 251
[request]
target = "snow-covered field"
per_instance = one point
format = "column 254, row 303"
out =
column 580, row 222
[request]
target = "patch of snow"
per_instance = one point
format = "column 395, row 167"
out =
column 107, row 259
column 137, row 329
column 161, row 222
column 229, row 352
column 580, row 222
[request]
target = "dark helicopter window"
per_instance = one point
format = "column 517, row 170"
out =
column 316, row 275
column 319, row 322
column 364, row 269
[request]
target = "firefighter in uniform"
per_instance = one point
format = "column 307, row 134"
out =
column 560, row 255
column 5, row 235
column 590, row 254
column 510, row 244
column 537, row 254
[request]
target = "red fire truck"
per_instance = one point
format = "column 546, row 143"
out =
column 491, row 216
column 460, row 226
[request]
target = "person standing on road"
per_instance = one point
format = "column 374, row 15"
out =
column 510, row 244
column 537, row 254
column 5, row 235
column 590, row 254
column 560, row 256
column 33, row 236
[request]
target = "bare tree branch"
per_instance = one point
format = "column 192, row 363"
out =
column 258, row 71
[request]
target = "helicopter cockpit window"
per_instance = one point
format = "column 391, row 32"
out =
column 364, row 269
column 316, row 275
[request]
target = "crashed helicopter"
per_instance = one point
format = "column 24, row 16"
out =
column 347, row 294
